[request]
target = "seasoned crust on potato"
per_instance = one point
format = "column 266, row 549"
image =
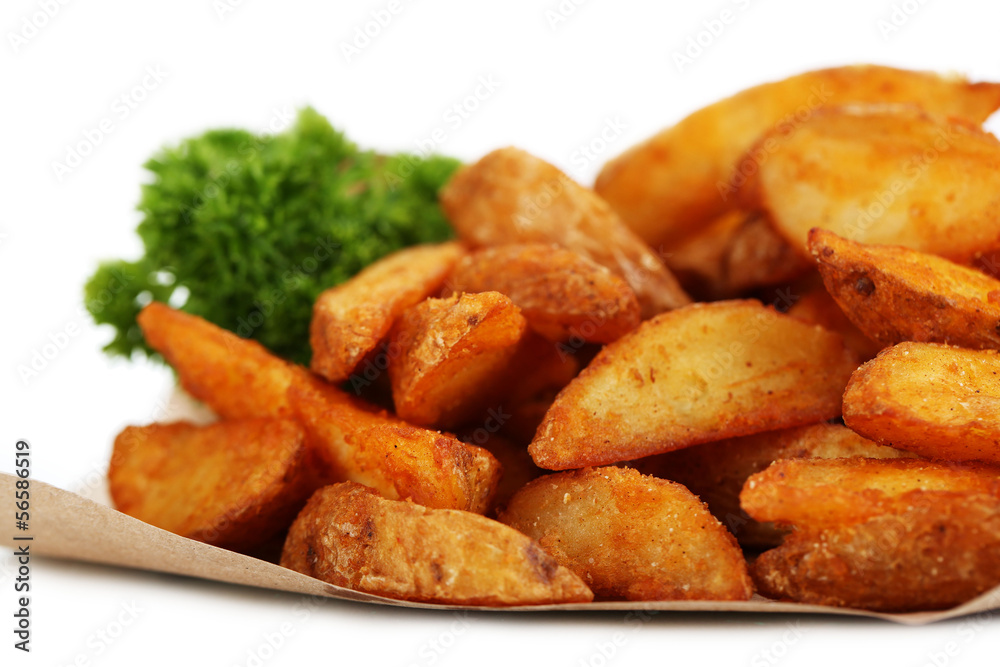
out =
column 631, row 536
column 825, row 492
column 510, row 196
column 698, row 374
column 668, row 186
column 449, row 354
column 938, row 401
column 717, row 471
column 938, row 179
column 348, row 536
column 560, row 293
column 239, row 378
column 896, row 294
column 234, row 484
column 351, row 319
column 816, row 306
column 937, row 551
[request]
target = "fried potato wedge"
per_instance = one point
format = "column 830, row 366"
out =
column 828, row 492
column 235, row 377
column 518, row 468
column 699, row 261
column 348, row 536
column 816, row 306
column 352, row 439
column 884, row 175
column 235, row 484
column 351, row 319
column 896, row 294
column 667, row 187
column 717, row 471
column 757, row 256
column 450, row 352
column 938, row 401
column 698, row 374
column 561, row 294
column 631, row 536
column 510, row 196
column 940, row 550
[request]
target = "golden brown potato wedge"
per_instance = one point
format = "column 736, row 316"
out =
column 348, row 536
column 234, row 484
column 510, row 196
column 828, row 492
column 350, row 320
column 884, row 175
column 451, row 352
column 757, row 256
column 816, row 306
column 698, row 374
column 518, row 468
column 235, row 377
column 939, row 550
column 631, row 536
column 938, row 401
column 667, row 187
column 895, row 294
column 717, row 471
column 353, row 440
column 699, row 261
column 561, row 294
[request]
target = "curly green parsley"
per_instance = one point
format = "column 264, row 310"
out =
column 246, row 230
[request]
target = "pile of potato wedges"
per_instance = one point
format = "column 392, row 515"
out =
column 759, row 356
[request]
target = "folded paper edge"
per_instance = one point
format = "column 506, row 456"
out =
column 68, row 526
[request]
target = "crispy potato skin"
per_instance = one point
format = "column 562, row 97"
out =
column 938, row 401
column 896, row 294
column 560, row 293
column 884, row 175
column 939, row 550
column 816, row 306
column 351, row 439
column 702, row 373
column 631, row 536
column 235, row 484
column 667, row 187
column 235, row 377
column 449, row 353
column 348, row 536
column 819, row 493
column 510, row 196
column 350, row 320
column 758, row 256
column 717, row 471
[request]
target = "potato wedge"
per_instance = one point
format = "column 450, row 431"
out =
column 757, row 256
column 451, row 351
column 235, row 484
column 631, row 536
column 666, row 188
column 717, row 471
column 348, row 536
column 938, row 401
column 350, row 320
column 699, row 261
column 884, row 175
column 518, row 468
column 828, row 492
column 698, row 374
column 940, row 550
column 561, row 294
column 352, row 439
column 816, row 306
column 510, row 196
column 235, row 377
column 895, row 294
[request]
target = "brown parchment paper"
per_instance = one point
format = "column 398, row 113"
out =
column 65, row 525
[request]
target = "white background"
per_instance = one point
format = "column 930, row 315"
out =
column 559, row 83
